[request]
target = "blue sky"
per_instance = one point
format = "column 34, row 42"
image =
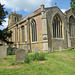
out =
column 25, row 7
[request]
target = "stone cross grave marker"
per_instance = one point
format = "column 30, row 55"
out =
column 60, row 49
column 36, row 50
column 20, row 56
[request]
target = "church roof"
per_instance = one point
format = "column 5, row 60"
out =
column 38, row 11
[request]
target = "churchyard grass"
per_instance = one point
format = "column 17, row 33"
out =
column 56, row 63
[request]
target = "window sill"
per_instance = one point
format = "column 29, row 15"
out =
column 34, row 42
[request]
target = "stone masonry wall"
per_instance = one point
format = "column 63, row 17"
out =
column 56, row 42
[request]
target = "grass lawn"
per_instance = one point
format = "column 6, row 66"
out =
column 57, row 63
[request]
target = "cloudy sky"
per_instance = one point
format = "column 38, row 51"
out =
column 25, row 7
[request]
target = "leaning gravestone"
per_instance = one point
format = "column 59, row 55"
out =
column 60, row 49
column 20, row 56
column 3, row 52
column 36, row 50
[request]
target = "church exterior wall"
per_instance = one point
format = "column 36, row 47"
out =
column 44, row 21
column 21, row 44
column 38, row 43
column 71, row 40
column 55, row 43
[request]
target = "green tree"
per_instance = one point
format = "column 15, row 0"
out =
column 72, row 3
column 2, row 14
column 5, row 34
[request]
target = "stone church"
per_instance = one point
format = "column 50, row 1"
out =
column 45, row 29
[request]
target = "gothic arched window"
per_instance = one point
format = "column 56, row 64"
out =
column 34, row 31
column 57, row 27
column 72, row 26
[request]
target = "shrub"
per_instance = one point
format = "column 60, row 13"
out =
column 27, row 59
column 10, row 53
column 41, row 56
column 32, row 57
column 36, row 56
column 13, row 63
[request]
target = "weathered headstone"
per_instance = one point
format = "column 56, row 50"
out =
column 36, row 50
column 49, row 49
column 26, row 49
column 3, row 52
column 20, row 56
column 60, row 49
column 53, row 49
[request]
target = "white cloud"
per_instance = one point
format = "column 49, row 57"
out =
column 24, row 4
column 5, row 23
column 63, row 10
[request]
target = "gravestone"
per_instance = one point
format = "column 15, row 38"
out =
column 36, row 50
column 20, row 56
column 3, row 51
column 9, row 48
column 60, row 49
column 26, row 49
column 14, row 50
column 49, row 49
column 53, row 50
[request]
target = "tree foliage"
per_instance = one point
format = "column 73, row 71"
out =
column 5, row 34
column 2, row 14
column 72, row 3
